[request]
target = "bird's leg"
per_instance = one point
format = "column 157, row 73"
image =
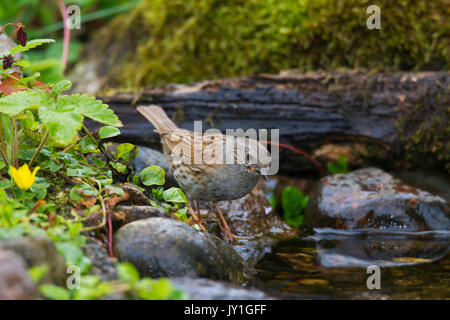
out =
column 196, row 218
column 198, row 211
column 227, row 231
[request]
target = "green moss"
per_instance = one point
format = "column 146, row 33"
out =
column 426, row 132
column 163, row 41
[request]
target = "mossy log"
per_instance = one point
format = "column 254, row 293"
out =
column 391, row 120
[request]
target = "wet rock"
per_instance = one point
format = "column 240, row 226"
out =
column 372, row 199
column 135, row 196
column 15, row 284
column 205, row 289
column 38, row 251
column 435, row 182
column 102, row 264
column 253, row 219
column 160, row 247
column 126, row 214
column 147, row 157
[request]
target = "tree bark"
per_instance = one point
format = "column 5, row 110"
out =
column 377, row 115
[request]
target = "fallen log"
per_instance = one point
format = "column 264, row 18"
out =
column 391, row 120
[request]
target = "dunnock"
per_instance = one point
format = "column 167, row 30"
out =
column 209, row 166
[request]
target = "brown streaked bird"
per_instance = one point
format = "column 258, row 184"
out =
column 209, row 166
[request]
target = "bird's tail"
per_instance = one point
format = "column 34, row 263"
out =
column 157, row 116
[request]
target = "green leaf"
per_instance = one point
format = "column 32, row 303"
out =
column 127, row 272
column 153, row 175
column 181, row 214
column 158, row 193
column 63, row 125
column 108, row 132
column 61, row 86
column 119, row 167
column 54, row 292
column 52, row 165
column 87, row 145
column 293, row 202
column 124, row 151
column 37, row 272
column 80, row 172
column 116, row 190
column 340, row 166
column 99, row 162
column 23, row 63
column 149, row 289
column 30, row 45
column 73, row 255
column 39, row 190
column 17, row 102
column 175, row 195
column 90, row 107
column 31, row 78
column 28, row 121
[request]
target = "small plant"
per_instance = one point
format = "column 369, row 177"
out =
column 129, row 284
column 55, row 175
column 340, row 166
column 293, row 202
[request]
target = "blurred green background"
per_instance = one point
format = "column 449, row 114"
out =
column 43, row 19
column 159, row 41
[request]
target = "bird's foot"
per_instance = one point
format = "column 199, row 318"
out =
column 228, row 235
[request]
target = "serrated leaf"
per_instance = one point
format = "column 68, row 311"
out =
column 61, row 86
column 153, row 175
column 30, row 45
column 63, row 125
column 90, row 107
column 17, row 102
column 31, row 78
column 23, row 63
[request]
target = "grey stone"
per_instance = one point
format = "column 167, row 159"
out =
column 161, row 247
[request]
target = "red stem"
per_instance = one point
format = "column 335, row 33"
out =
column 300, row 152
column 8, row 24
column 66, row 44
column 110, row 232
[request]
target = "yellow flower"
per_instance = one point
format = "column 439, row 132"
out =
column 23, row 176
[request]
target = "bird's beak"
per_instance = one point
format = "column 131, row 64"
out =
column 261, row 174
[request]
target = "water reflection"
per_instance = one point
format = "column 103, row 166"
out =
column 328, row 265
